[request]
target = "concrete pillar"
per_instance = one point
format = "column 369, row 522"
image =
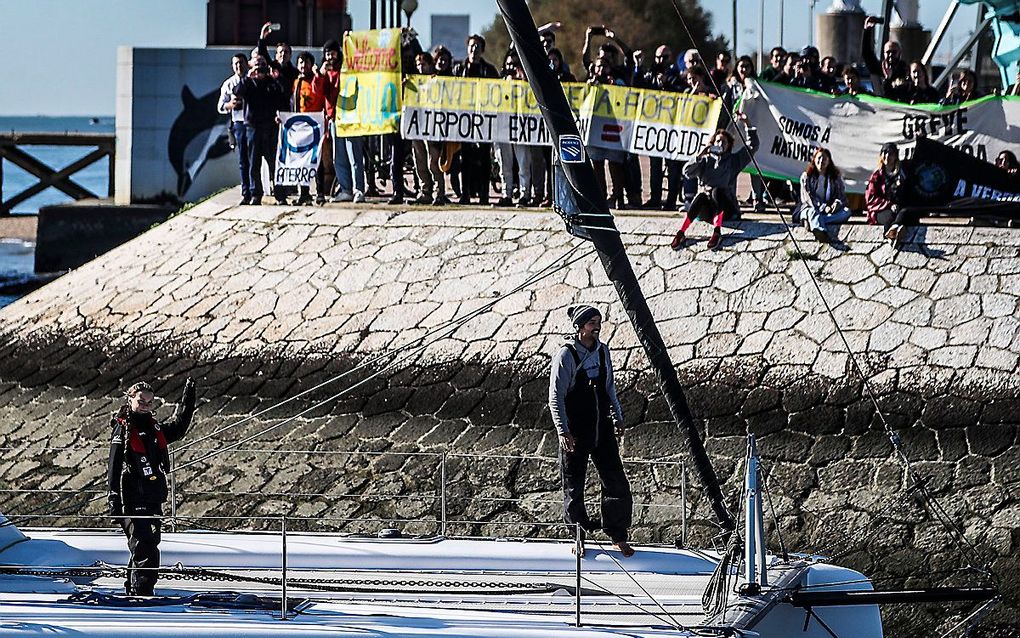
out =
column 913, row 40
column 839, row 35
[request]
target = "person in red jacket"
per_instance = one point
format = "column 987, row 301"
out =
column 883, row 192
column 327, row 83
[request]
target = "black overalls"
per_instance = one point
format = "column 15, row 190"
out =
column 590, row 421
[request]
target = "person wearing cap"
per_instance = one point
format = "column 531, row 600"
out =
column 883, row 193
column 138, row 475
column 588, row 418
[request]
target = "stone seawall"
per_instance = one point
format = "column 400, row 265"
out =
column 262, row 303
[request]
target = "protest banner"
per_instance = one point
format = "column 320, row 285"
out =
column 793, row 122
column 369, row 98
column 942, row 177
column 670, row 125
column 298, row 149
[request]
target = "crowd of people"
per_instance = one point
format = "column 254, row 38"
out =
column 705, row 187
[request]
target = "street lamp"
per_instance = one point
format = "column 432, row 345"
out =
column 409, row 7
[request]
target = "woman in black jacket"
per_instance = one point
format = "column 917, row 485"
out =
column 138, row 477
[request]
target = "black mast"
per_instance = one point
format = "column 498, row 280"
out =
column 596, row 223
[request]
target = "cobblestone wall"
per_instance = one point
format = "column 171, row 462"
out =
column 261, row 304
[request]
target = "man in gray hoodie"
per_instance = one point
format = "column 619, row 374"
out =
column 588, row 418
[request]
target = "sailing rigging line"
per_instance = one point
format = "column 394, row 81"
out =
column 447, row 329
column 564, row 261
column 626, row 571
column 968, row 548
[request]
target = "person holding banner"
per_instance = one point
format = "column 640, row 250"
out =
column 308, row 99
column 263, row 98
column 822, row 196
column 429, row 154
column 716, row 168
column 476, row 158
column 327, row 82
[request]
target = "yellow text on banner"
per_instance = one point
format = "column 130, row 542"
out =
column 369, row 99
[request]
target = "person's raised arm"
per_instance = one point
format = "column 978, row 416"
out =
column 550, row 27
column 586, row 49
column 178, row 426
column 868, row 50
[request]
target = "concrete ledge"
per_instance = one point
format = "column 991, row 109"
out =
column 71, row 235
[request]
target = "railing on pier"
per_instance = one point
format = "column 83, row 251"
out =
column 11, row 149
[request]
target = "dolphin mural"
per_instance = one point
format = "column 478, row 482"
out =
column 199, row 134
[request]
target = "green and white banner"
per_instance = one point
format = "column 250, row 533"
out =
column 793, row 122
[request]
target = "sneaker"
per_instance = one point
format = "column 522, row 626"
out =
column 319, row 200
column 525, row 202
column 821, row 236
column 893, row 234
column 342, row 197
column 652, row 204
column 395, row 200
column 504, row 201
column 713, row 242
column 423, row 200
column 678, row 241
column 358, row 197
column 464, row 200
column 244, row 201
column 304, row 201
column 624, row 548
column 441, row 200
column 546, row 203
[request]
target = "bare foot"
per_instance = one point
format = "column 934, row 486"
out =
column 624, row 548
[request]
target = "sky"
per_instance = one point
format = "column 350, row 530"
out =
column 61, row 54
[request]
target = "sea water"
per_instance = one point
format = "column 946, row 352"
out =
column 16, row 256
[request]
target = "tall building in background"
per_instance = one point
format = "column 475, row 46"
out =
column 452, row 31
column 303, row 22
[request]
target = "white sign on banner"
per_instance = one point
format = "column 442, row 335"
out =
column 298, row 149
column 793, row 122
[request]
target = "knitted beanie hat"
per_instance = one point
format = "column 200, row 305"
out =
column 580, row 315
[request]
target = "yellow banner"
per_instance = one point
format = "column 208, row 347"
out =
column 369, row 99
column 600, row 100
column 659, row 123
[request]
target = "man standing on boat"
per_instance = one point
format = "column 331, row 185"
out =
column 588, row 418
column 138, row 477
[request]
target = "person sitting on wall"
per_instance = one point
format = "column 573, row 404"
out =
column 884, row 192
column 822, row 196
column 138, row 474
column 716, row 168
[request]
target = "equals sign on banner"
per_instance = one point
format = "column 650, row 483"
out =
column 611, row 132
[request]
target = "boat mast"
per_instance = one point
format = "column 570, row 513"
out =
column 598, row 226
